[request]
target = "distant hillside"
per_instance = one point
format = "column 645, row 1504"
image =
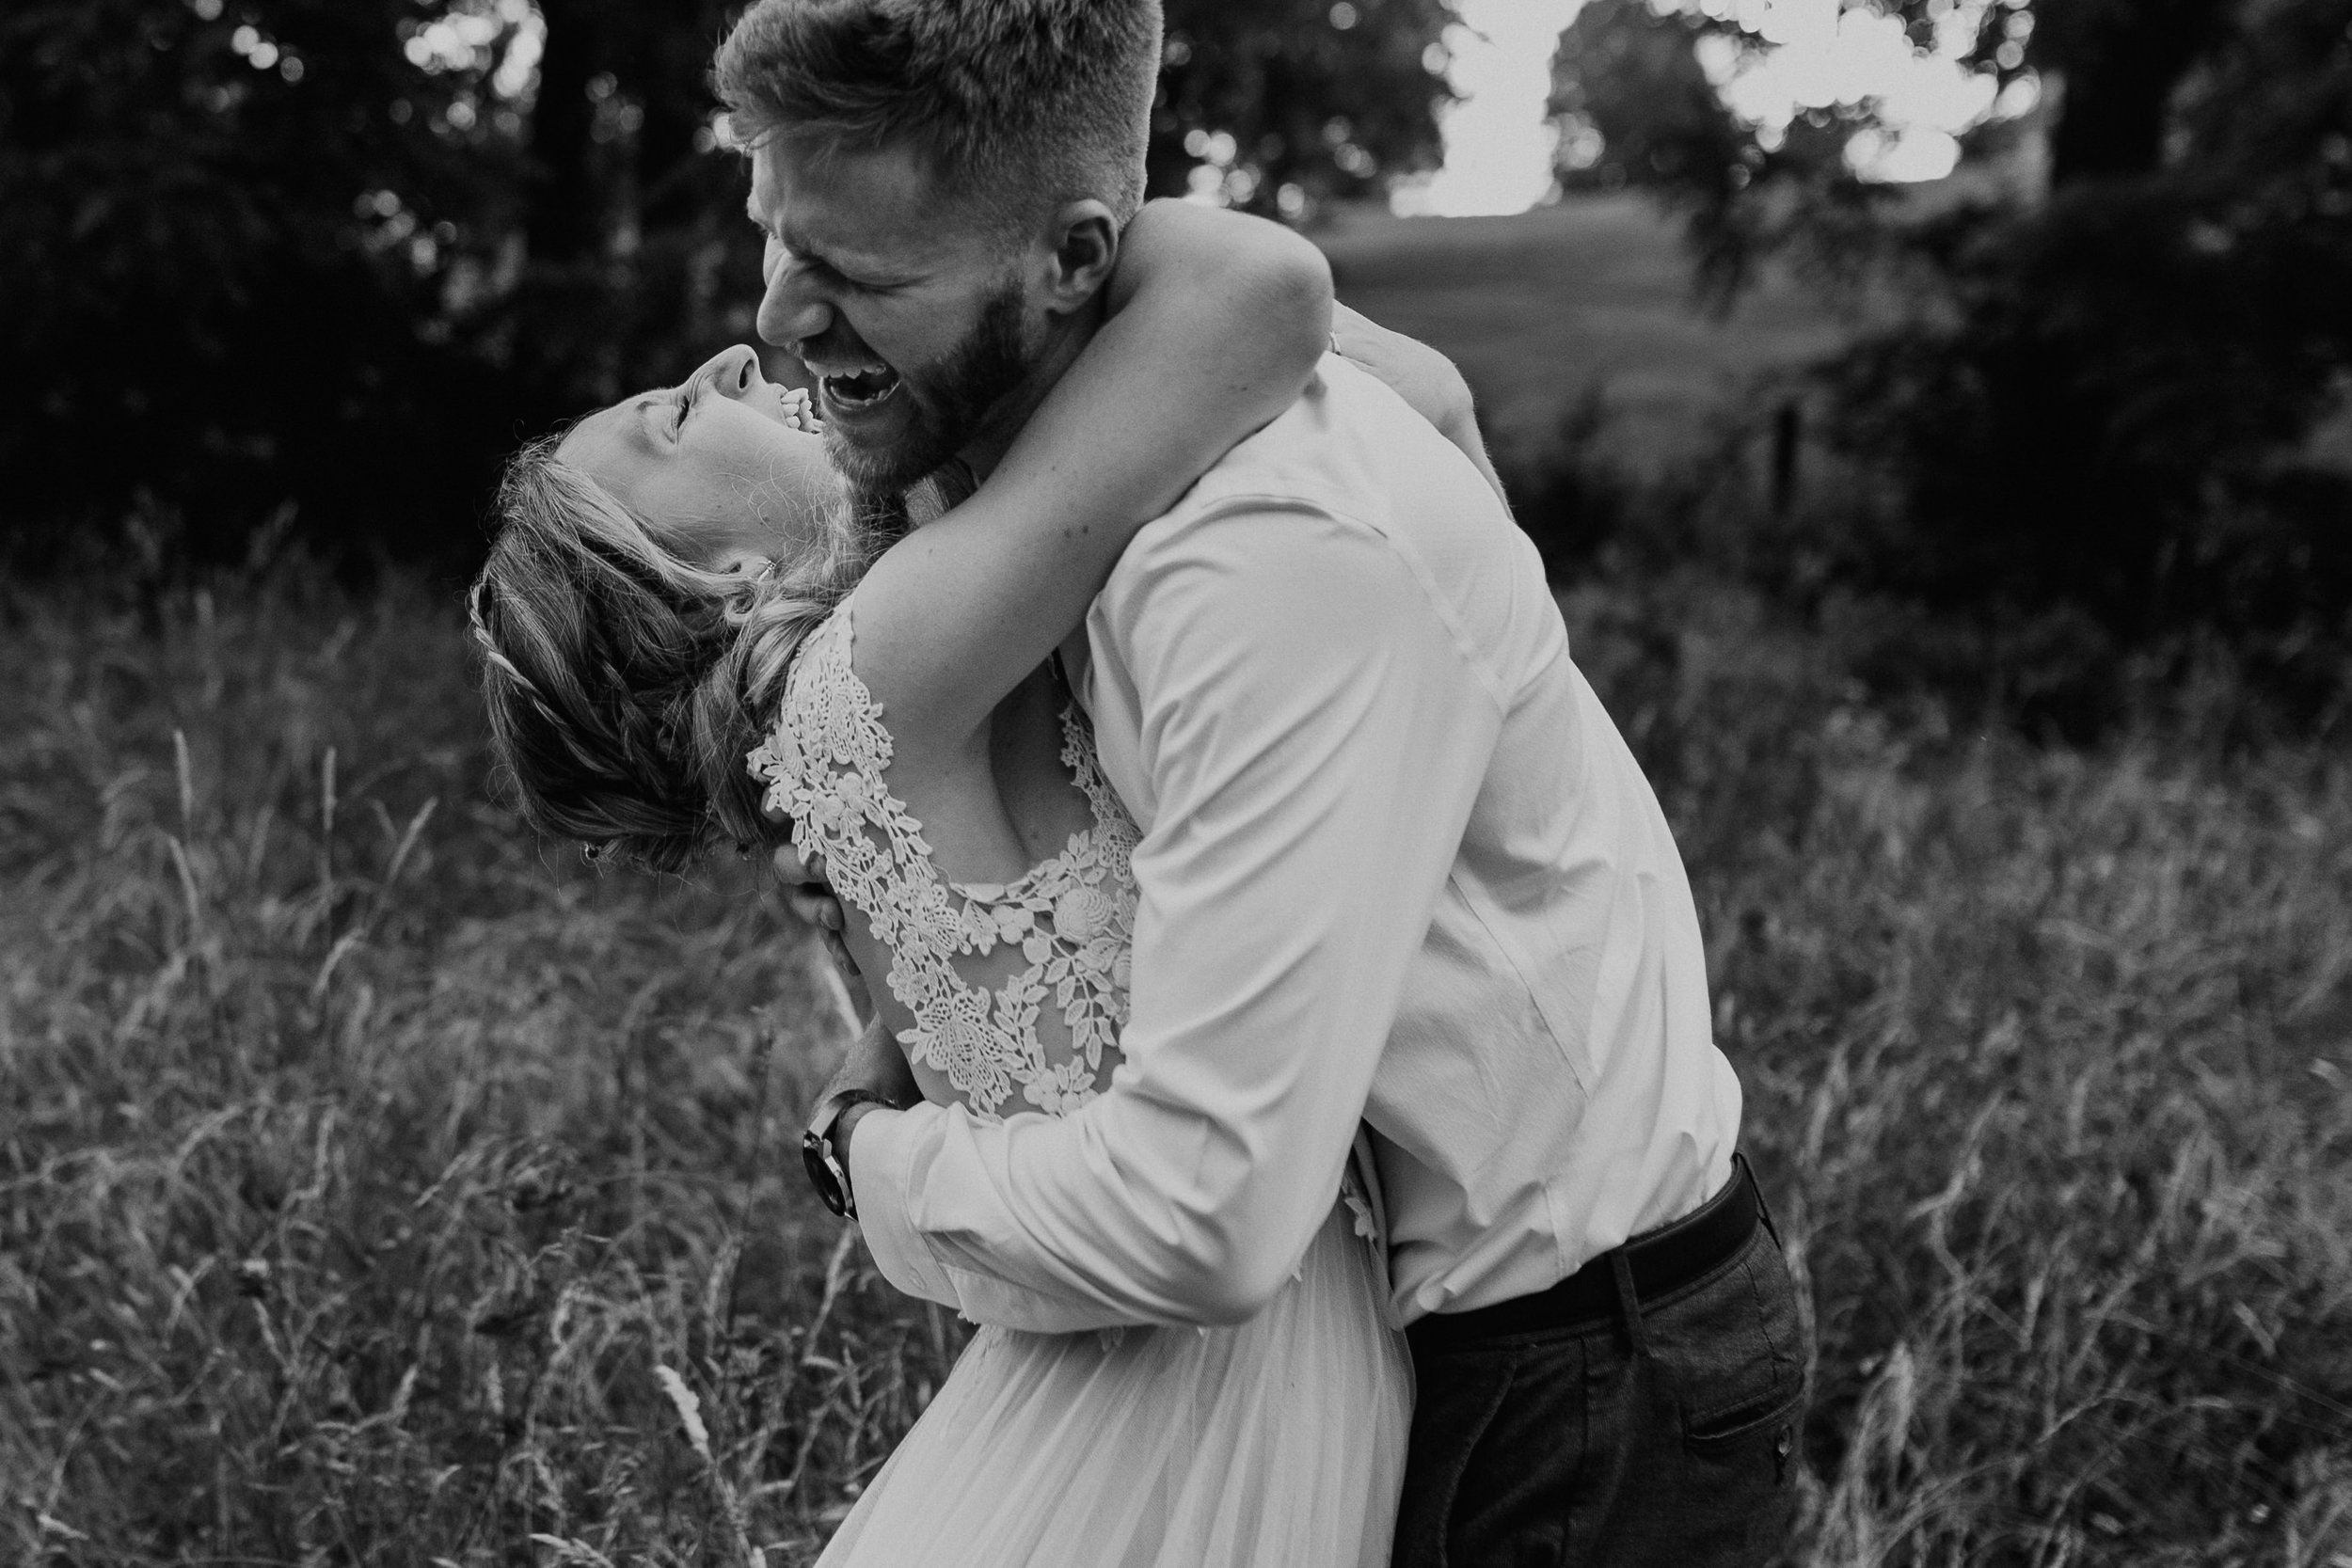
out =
column 1537, row 307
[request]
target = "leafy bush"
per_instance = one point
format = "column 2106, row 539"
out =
column 2097, row 413
column 1568, row 494
column 2085, row 421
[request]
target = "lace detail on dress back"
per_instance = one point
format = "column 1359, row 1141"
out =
column 1071, row 917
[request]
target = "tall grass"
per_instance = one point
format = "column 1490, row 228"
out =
column 2048, row 1072
column 378, row 1186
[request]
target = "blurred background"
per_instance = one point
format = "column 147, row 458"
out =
column 1992, row 313
column 1936, row 416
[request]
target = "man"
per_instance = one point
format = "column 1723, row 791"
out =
column 1397, row 867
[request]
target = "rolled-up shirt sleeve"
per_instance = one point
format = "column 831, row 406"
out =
column 1315, row 731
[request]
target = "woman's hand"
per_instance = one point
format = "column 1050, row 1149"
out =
column 875, row 1063
column 813, row 902
column 1422, row 376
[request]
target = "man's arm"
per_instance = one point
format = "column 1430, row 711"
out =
column 1317, row 738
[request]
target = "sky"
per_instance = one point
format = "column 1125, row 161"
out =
column 1498, row 150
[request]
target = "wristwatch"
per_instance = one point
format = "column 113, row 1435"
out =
column 827, row 1172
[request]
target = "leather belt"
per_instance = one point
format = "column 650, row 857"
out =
column 1660, row 1261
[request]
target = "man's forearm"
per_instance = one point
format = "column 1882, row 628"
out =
column 930, row 1258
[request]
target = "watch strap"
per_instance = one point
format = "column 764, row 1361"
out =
column 827, row 1171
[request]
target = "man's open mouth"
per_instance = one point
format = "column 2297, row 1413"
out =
column 853, row 390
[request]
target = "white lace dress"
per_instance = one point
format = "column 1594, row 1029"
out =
column 1279, row 1442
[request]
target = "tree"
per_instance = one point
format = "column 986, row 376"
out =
column 327, row 260
column 638, row 261
column 2122, row 63
column 2097, row 398
column 225, row 248
column 1635, row 108
column 1277, row 104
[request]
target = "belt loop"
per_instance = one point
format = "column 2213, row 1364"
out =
column 1628, row 1303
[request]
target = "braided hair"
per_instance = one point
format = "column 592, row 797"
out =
column 625, row 684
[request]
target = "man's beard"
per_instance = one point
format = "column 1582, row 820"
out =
column 977, row 374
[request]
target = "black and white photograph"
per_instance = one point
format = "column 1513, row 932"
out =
column 1176, row 784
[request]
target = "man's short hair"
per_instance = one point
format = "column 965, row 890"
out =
column 1019, row 102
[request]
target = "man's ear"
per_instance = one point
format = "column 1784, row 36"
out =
column 1085, row 240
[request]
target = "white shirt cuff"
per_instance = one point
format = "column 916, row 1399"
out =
column 881, row 1159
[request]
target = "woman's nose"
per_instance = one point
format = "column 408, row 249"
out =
column 731, row 372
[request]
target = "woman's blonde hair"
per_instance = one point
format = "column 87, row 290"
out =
column 625, row 684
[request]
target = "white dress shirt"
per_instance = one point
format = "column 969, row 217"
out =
column 1397, row 867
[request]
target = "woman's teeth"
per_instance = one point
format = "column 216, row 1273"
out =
column 860, row 388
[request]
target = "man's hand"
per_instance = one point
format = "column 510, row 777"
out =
column 877, row 1065
column 811, row 900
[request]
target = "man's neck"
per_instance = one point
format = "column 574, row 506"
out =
column 1010, row 416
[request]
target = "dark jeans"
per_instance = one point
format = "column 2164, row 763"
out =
column 1670, row 1440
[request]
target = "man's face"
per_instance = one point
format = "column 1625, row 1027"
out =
column 911, row 312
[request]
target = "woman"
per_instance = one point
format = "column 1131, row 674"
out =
column 677, row 586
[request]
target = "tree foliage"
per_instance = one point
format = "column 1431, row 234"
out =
column 1637, row 109
column 215, row 256
column 1320, row 99
column 2099, row 395
column 326, row 260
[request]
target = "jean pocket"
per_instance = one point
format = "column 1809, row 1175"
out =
column 1732, row 1350
column 1742, row 1424
column 1743, row 1466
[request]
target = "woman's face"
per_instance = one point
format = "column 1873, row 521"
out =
column 719, row 465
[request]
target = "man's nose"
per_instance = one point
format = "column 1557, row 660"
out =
column 792, row 310
column 731, row 372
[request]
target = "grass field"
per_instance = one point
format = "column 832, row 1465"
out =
column 379, row 1187
column 1593, row 292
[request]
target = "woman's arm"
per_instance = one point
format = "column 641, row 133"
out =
column 1423, row 377
column 1216, row 322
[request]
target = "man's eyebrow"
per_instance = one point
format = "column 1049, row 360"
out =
column 800, row 246
column 774, row 231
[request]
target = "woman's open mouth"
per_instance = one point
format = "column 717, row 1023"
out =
column 855, row 391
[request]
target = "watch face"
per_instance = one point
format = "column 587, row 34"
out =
column 823, row 1174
